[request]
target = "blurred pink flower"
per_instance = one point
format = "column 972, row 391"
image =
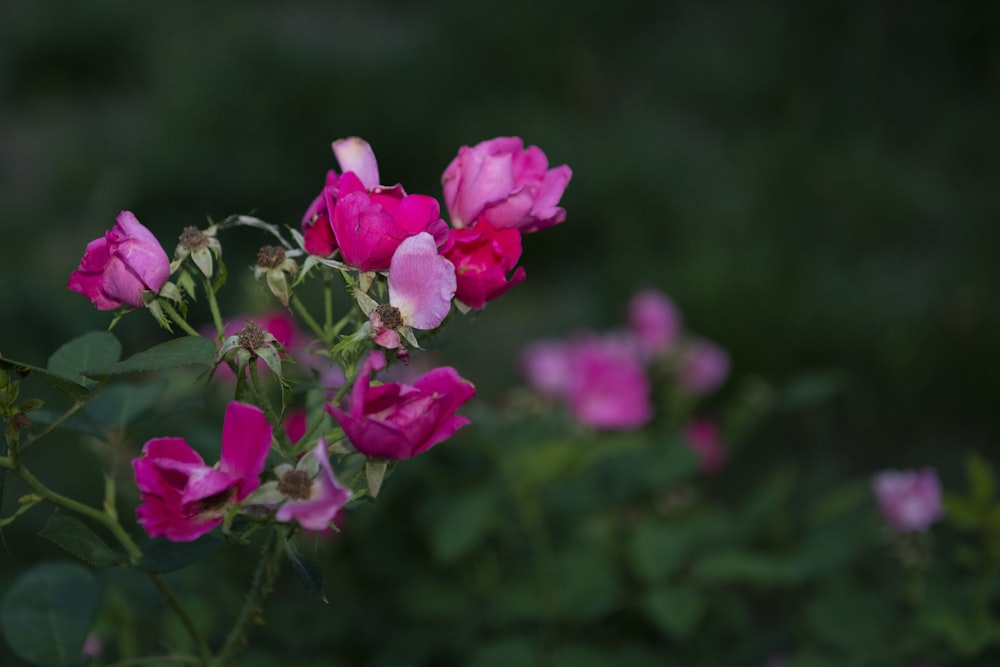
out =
column 548, row 367
column 118, row 267
column 654, row 321
column 397, row 421
column 182, row 498
column 505, row 184
column 702, row 437
column 703, row 367
column 908, row 500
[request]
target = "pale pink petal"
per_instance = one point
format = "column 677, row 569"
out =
column 421, row 282
column 328, row 497
column 354, row 154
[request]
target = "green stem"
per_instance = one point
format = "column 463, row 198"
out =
column 309, row 320
column 263, row 578
column 74, row 506
column 213, row 305
column 328, row 299
column 175, row 603
column 265, row 404
column 178, row 320
column 54, row 425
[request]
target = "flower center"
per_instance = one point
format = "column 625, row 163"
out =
column 213, row 504
column 295, row 484
column 390, row 316
column 193, row 239
column 270, row 257
column 251, row 336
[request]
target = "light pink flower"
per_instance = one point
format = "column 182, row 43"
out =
column 909, row 500
column 117, row 268
column 609, row 388
column 308, row 493
column 398, row 421
column 483, row 257
column 703, row 368
column 702, row 437
column 654, row 321
column 421, row 287
column 182, row 497
column 505, row 184
column 548, row 367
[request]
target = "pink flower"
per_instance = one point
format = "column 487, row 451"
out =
column 703, row 367
column 398, row 421
column 909, row 500
column 421, row 287
column 548, row 366
column 702, row 437
column 609, row 388
column 483, row 257
column 654, row 321
column 309, row 493
column 182, row 498
column 118, row 268
column 503, row 183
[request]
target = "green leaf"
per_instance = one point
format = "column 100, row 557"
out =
column 462, row 525
column 171, row 354
column 91, row 350
column 656, row 549
column 74, row 389
column 162, row 555
column 504, row 652
column 981, row 480
column 47, row 613
column 307, row 572
column 79, row 540
column 745, row 567
column 117, row 406
column 675, row 610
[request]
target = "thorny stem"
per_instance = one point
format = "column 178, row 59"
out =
column 178, row 320
column 175, row 603
column 265, row 403
column 263, row 578
column 309, row 320
column 54, row 425
column 74, row 506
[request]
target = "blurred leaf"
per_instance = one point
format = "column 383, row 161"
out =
column 812, row 389
column 981, row 479
column 79, row 540
column 676, row 609
column 746, row 567
column 856, row 619
column 657, row 548
column 584, row 585
column 47, row 613
column 162, row 555
column 967, row 634
column 76, row 423
column 307, row 572
column 91, row 350
column 504, row 653
column 52, row 379
column 117, row 406
column 174, row 353
column 961, row 511
column 462, row 525
column 771, row 497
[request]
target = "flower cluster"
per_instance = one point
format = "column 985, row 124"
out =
column 403, row 265
column 909, row 500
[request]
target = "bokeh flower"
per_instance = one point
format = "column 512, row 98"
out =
column 909, row 500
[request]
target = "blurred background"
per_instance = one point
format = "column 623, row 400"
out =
column 814, row 184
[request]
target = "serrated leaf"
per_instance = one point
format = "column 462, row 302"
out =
column 47, row 613
column 162, row 555
column 79, row 540
column 307, row 572
column 64, row 385
column 91, row 350
column 174, row 353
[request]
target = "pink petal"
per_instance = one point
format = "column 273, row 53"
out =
column 421, row 282
column 246, row 442
column 329, row 497
column 355, row 155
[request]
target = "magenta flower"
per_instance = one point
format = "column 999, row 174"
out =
column 421, row 287
column 182, row 498
column 503, row 183
column 397, row 421
column 702, row 437
column 909, row 500
column 548, row 367
column 483, row 257
column 703, row 367
column 308, row 493
column 654, row 321
column 609, row 389
column 118, row 268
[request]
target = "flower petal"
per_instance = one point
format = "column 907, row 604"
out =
column 421, row 282
column 246, row 442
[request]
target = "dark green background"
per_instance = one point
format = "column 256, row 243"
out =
column 814, row 183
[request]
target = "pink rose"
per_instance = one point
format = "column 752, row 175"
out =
column 118, row 268
column 397, row 421
column 703, row 368
column 909, row 500
column 654, row 321
column 182, row 498
column 483, row 257
column 702, row 437
column 505, row 184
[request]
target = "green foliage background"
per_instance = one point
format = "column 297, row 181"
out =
column 815, row 184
